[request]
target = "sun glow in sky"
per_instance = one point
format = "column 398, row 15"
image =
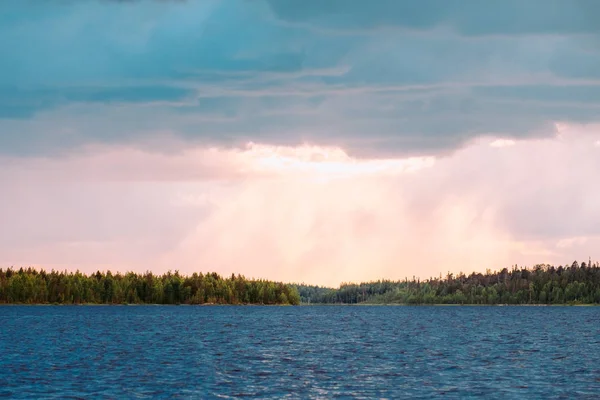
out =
column 317, row 141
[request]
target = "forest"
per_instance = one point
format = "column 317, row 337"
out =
column 542, row 284
column 31, row 286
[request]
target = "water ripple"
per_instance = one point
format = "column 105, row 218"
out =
column 299, row 352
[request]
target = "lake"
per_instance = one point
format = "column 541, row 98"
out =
column 299, row 352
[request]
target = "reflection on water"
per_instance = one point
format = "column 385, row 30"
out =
column 299, row 352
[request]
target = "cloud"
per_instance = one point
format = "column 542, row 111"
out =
column 325, row 142
column 468, row 17
column 306, row 213
column 502, row 143
column 570, row 242
column 400, row 81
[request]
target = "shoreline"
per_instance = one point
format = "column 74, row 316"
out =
column 140, row 305
column 454, row 305
column 290, row 305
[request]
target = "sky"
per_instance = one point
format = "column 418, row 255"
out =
column 317, row 141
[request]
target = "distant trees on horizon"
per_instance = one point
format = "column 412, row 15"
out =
column 31, row 286
column 542, row 284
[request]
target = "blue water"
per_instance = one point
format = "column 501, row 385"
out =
column 299, row 352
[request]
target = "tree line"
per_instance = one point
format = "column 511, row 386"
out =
column 542, row 284
column 31, row 286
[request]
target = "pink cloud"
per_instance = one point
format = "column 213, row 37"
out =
column 305, row 213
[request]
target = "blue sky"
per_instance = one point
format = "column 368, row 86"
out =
column 314, row 140
column 380, row 78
